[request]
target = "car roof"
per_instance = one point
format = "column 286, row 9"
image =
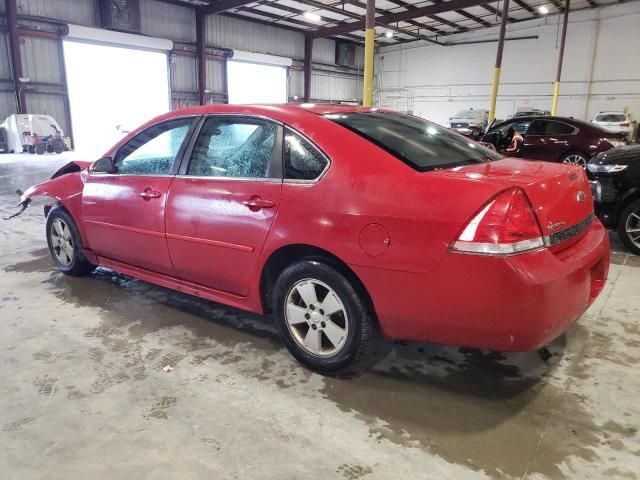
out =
column 265, row 109
column 609, row 112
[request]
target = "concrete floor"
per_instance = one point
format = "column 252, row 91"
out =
column 83, row 394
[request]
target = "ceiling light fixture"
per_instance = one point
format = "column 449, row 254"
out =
column 543, row 9
column 314, row 17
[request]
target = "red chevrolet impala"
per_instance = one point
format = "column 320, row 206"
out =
column 344, row 222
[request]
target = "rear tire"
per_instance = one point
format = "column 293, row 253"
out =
column 629, row 227
column 578, row 159
column 64, row 243
column 338, row 341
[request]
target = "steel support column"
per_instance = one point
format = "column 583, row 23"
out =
column 496, row 72
column 202, row 57
column 308, row 54
column 16, row 60
column 370, row 29
column 563, row 38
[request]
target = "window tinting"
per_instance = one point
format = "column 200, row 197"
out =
column 422, row 145
column 153, row 151
column 234, row 148
column 302, row 161
column 546, row 127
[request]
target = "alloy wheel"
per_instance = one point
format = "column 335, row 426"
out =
column 316, row 318
column 632, row 227
column 575, row 159
column 62, row 242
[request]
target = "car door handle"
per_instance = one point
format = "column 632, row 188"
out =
column 149, row 193
column 256, row 203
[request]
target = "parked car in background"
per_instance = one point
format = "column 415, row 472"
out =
column 286, row 209
column 555, row 139
column 470, row 122
column 619, row 122
column 615, row 183
column 4, row 146
column 34, row 134
column 531, row 112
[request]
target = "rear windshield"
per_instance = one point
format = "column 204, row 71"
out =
column 469, row 114
column 611, row 117
column 422, row 145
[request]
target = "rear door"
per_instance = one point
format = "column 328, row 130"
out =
column 223, row 203
column 123, row 212
column 547, row 140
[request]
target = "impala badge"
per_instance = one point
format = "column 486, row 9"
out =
column 555, row 226
column 581, row 196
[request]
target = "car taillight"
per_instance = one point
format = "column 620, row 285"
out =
column 624, row 124
column 505, row 226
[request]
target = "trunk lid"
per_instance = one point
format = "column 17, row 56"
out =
column 560, row 194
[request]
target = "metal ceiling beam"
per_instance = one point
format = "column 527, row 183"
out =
column 382, row 11
column 347, row 27
column 347, row 13
column 224, row 5
column 496, row 12
column 556, row 4
column 436, row 18
column 527, row 7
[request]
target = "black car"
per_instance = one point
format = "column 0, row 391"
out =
column 615, row 183
column 4, row 146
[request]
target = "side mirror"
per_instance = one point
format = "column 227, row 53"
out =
column 103, row 165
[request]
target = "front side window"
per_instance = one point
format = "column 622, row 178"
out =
column 240, row 148
column 153, row 151
column 421, row 144
column 302, row 161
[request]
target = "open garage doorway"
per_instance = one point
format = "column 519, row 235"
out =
column 257, row 78
column 112, row 90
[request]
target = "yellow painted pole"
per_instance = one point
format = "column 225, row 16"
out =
column 496, row 72
column 563, row 38
column 556, row 93
column 367, row 96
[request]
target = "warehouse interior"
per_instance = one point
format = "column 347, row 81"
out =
column 115, row 374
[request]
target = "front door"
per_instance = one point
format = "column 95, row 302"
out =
column 123, row 212
column 224, row 201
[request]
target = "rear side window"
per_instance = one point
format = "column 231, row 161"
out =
column 302, row 161
column 420, row 144
column 546, row 127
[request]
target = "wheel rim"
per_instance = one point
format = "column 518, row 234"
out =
column 61, row 242
column 632, row 227
column 316, row 318
column 575, row 160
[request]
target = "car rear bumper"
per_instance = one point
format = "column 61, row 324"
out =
column 513, row 303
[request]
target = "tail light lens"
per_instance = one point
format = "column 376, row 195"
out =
column 505, row 226
column 624, row 124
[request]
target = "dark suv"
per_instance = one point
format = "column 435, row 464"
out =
column 615, row 183
column 555, row 139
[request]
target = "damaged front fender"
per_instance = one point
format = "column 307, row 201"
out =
column 65, row 186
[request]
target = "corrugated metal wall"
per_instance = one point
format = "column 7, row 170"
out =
column 42, row 57
column 82, row 12
column 164, row 20
column 253, row 37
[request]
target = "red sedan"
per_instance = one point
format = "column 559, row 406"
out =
column 344, row 222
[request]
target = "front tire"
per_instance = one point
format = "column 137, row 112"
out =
column 323, row 319
column 575, row 158
column 64, row 243
column 629, row 227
